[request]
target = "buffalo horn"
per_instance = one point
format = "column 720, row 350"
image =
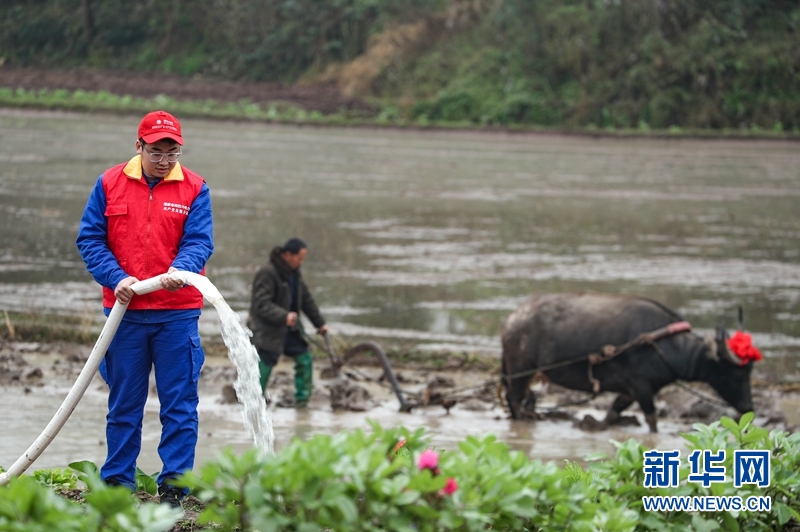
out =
column 722, row 347
column 711, row 347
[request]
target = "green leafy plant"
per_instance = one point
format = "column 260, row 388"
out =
column 27, row 505
column 375, row 481
column 86, row 470
column 58, row 479
column 146, row 483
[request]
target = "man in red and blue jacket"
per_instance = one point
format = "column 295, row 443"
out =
column 143, row 218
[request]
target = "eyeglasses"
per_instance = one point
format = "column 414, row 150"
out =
column 172, row 157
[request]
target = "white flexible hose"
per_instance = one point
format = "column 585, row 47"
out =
column 81, row 384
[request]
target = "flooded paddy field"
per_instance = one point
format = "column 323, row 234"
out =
column 46, row 371
column 421, row 241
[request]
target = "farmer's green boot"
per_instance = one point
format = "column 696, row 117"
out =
column 303, row 376
column 264, row 372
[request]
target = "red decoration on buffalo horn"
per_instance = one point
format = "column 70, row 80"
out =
column 741, row 344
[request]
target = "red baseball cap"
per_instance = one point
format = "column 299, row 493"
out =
column 160, row 125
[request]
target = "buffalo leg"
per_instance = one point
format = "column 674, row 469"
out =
column 516, row 392
column 649, row 408
column 529, row 403
column 622, row 402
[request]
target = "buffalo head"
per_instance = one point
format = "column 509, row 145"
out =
column 728, row 376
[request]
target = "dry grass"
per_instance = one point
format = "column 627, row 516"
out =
column 356, row 77
column 397, row 43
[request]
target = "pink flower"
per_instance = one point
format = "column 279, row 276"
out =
column 428, row 460
column 450, row 487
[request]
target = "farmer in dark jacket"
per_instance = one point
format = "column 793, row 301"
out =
column 278, row 296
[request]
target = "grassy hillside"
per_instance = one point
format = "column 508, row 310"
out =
column 597, row 63
column 266, row 40
column 618, row 63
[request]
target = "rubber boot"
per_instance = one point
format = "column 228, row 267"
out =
column 303, row 377
column 264, row 373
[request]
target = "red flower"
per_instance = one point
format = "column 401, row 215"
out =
column 741, row 344
column 399, row 446
column 450, row 487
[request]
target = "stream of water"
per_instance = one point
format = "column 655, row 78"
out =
column 243, row 354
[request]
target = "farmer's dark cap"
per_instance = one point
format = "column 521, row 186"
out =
column 160, row 125
column 294, row 246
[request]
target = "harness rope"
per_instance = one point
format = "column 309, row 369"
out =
column 697, row 394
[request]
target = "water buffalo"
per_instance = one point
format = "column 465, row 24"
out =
column 551, row 328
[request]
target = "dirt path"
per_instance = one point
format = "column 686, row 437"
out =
column 326, row 99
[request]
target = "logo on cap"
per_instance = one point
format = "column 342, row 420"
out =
column 160, row 125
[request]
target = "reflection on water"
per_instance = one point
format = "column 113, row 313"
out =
column 431, row 238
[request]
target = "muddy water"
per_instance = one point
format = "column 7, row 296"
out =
column 221, row 425
column 429, row 239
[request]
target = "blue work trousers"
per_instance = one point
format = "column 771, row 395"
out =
column 173, row 349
